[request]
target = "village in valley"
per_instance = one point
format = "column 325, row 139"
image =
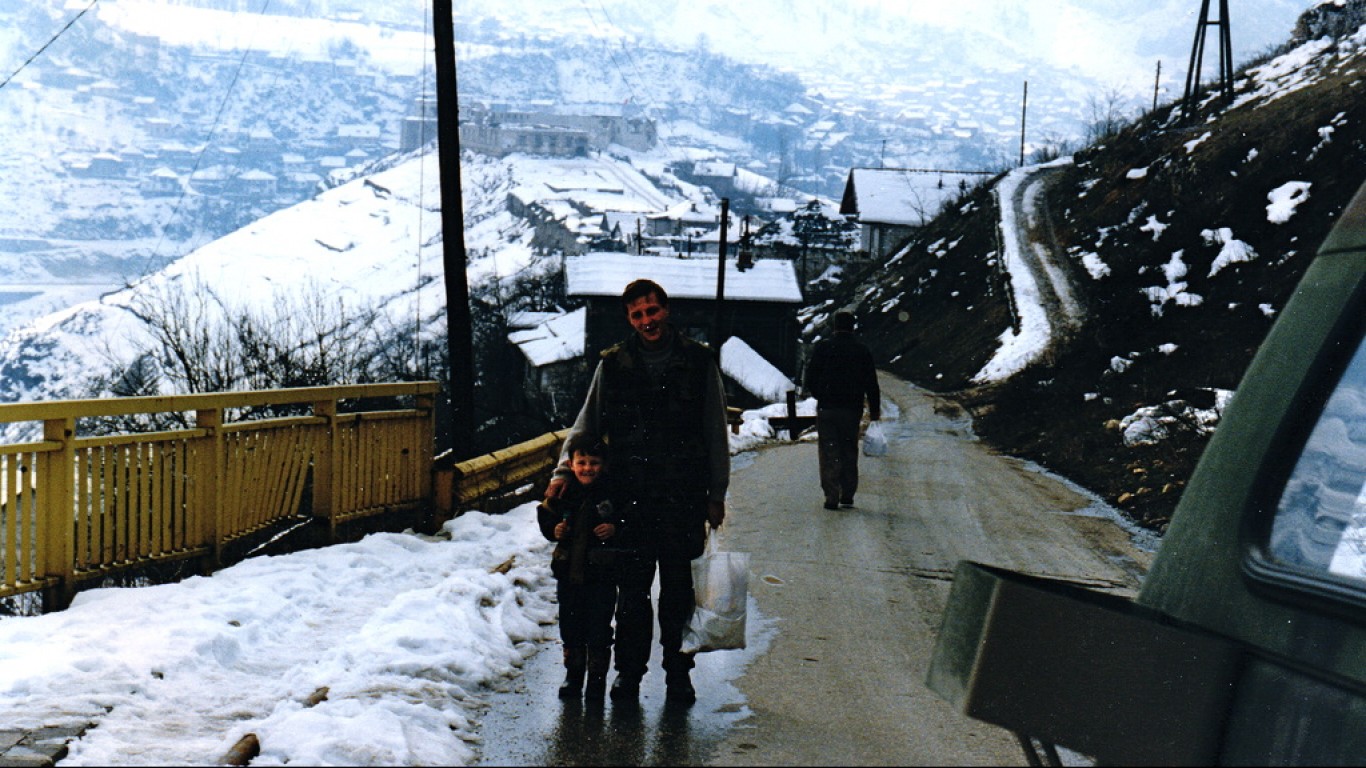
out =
column 798, row 186
column 783, row 250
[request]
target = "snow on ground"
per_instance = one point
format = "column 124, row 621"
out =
column 1023, row 346
column 407, row 633
column 403, row 630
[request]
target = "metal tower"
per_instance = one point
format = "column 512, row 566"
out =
column 1198, row 56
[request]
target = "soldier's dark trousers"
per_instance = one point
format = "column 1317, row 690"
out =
column 634, row 630
column 837, row 451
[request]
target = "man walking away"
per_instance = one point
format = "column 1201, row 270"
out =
column 659, row 404
column 840, row 376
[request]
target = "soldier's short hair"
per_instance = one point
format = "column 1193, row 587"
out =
column 639, row 289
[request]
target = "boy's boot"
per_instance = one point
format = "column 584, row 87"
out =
column 599, row 661
column 575, row 666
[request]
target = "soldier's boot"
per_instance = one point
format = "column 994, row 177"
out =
column 678, row 686
column 575, row 667
column 599, row 661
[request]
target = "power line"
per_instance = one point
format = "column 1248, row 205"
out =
column 204, row 147
column 419, row 362
column 39, row 52
column 635, row 98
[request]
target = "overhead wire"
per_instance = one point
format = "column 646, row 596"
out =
column 44, row 47
column 640, row 76
column 208, row 138
column 419, row 366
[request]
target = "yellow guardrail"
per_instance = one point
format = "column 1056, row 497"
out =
column 499, row 473
column 74, row 507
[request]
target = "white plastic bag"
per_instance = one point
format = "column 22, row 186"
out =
column 720, row 581
column 874, row 440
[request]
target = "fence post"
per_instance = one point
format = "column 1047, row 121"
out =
column 324, row 469
column 792, row 415
column 426, row 446
column 210, row 471
column 56, row 479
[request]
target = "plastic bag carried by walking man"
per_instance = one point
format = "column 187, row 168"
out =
column 874, row 440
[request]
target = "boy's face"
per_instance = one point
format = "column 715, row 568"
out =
column 586, row 467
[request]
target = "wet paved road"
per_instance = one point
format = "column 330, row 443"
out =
column 846, row 606
column 529, row 725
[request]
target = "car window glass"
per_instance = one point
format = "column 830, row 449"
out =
column 1320, row 521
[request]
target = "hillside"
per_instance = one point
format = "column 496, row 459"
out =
column 1189, row 235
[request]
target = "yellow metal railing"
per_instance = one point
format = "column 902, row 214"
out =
column 74, row 508
column 497, row 472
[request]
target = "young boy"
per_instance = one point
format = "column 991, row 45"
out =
column 582, row 520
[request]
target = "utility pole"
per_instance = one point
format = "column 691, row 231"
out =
column 1024, row 114
column 1157, row 79
column 716, row 339
column 1198, row 54
column 460, row 346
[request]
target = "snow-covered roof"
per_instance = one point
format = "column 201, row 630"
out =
column 750, row 370
column 530, row 319
column 606, row 274
column 898, row 196
column 714, row 168
column 629, row 220
column 557, row 339
column 688, row 212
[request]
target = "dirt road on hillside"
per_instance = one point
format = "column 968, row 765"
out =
column 1035, row 241
column 857, row 594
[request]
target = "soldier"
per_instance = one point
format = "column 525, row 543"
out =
column 658, row 402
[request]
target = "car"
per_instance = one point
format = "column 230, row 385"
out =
column 1246, row 643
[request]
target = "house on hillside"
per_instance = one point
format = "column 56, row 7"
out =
column 254, row 183
column 709, row 242
column 102, row 165
column 890, row 203
column 495, row 127
column 719, row 176
column 813, row 235
column 500, row 140
column 676, row 230
column 162, row 182
column 555, row 371
column 759, row 305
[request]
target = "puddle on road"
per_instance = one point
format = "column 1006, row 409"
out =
column 529, row 725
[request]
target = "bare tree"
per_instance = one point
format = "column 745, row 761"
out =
column 1107, row 113
column 198, row 342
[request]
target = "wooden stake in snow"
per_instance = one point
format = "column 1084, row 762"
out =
column 243, row 751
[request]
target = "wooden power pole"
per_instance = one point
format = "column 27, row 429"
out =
column 458, row 326
column 716, row 324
